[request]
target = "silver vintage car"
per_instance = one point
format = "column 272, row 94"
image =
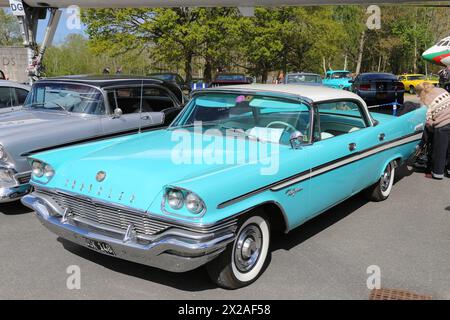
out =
column 70, row 110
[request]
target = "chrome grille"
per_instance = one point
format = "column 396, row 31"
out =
column 24, row 179
column 105, row 215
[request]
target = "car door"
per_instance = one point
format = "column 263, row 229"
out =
column 337, row 132
column 135, row 113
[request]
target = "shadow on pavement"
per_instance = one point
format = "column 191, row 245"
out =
column 192, row 281
column 14, row 208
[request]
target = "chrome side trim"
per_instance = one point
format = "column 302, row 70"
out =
column 309, row 174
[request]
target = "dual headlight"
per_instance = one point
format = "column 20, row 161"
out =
column 177, row 199
column 42, row 170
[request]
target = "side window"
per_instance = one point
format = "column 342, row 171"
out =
column 129, row 100
column 401, row 78
column 7, row 98
column 21, row 96
column 179, row 80
column 338, row 118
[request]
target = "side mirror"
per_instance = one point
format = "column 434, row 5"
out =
column 296, row 139
column 117, row 113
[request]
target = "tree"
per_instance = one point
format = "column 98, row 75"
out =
column 173, row 35
column 9, row 30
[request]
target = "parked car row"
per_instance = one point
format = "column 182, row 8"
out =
column 93, row 157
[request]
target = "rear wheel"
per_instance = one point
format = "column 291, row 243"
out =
column 243, row 262
column 381, row 190
column 412, row 90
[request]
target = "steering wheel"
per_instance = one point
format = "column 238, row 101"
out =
column 287, row 125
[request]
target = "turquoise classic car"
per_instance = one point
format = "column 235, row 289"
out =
column 237, row 165
column 338, row 79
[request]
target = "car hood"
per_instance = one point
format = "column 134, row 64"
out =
column 19, row 123
column 138, row 168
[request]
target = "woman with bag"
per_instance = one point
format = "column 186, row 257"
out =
column 437, row 101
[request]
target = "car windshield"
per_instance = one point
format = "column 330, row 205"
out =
column 66, row 97
column 301, row 78
column 417, row 78
column 261, row 117
column 340, row 75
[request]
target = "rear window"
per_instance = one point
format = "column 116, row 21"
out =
column 377, row 76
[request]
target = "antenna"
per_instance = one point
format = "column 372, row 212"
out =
column 140, row 105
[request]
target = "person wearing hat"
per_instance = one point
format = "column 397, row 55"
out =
column 437, row 101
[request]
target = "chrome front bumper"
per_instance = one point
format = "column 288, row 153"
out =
column 19, row 189
column 10, row 194
column 175, row 250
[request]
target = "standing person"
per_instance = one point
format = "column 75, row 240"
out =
column 280, row 78
column 437, row 101
column 444, row 76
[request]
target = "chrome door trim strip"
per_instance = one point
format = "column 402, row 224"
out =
column 329, row 166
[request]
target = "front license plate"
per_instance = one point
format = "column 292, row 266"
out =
column 100, row 246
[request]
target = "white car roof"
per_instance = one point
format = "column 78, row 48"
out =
column 315, row 93
column 6, row 83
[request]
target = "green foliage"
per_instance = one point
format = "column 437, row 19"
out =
column 9, row 30
column 276, row 39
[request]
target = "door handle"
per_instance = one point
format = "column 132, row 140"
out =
column 382, row 136
column 145, row 118
column 352, row 146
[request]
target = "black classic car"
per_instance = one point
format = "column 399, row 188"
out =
column 379, row 88
column 172, row 77
column 229, row 79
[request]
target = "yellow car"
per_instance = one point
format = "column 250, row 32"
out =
column 411, row 81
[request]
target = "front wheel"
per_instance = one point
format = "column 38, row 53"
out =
column 243, row 262
column 381, row 190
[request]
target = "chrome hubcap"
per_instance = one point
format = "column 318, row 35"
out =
column 386, row 178
column 248, row 248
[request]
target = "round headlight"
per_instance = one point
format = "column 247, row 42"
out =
column 175, row 199
column 194, row 204
column 38, row 169
column 48, row 171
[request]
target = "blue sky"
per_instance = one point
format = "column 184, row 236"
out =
column 62, row 31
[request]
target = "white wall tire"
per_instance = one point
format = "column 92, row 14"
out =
column 243, row 262
column 381, row 190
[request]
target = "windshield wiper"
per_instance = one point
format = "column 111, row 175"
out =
column 40, row 104
column 222, row 126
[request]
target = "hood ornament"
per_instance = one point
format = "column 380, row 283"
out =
column 101, row 175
